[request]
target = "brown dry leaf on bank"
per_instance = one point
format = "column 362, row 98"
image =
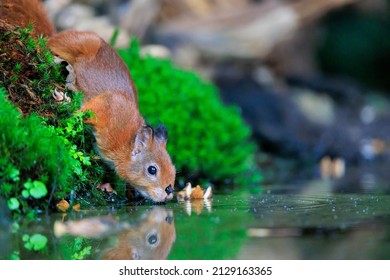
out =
column 63, row 205
column 76, row 207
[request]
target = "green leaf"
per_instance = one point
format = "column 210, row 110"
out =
column 28, row 185
column 38, row 190
column 14, row 174
column 13, row 203
column 38, row 241
column 25, row 237
column 28, row 246
column 15, row 227
column 25, row 193
column 15, row 256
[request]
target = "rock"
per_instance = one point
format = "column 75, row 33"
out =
column 248, row 31
column 157, row 51
column 53, row 7
column 71, row 16
column 93, row 3
column 276, row 121
column 291, row 128
column 139, row 15
column 83, row 18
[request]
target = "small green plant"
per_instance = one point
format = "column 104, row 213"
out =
column 77, row 248
column 206, row 138
column 80, row 250
column 35, row 189
column 15, row 256
column 13, row 203
column 36, row 242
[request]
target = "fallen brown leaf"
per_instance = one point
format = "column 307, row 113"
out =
column 76, row 207
column 63, row 205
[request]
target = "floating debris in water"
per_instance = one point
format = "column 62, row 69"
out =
column 189, row 193
column 195, row 198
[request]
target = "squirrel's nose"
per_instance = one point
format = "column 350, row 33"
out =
column 169, row 190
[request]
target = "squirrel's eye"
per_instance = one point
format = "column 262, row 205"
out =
column 152, row 239
column 152, row 170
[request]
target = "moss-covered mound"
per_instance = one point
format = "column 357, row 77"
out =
column 28, row 71
column 45, row 150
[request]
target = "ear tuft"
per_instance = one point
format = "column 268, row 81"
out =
column 142, row 139
column 161, row 133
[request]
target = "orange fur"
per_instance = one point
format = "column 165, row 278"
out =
column 98, row 67
column 122, row 137
column 23, row 12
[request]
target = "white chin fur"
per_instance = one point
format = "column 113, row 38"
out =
column 157, row 196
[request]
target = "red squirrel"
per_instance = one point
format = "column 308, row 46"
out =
column 135, row 150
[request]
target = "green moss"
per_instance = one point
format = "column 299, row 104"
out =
column 29, row 73
column 30, row 151
column 206, row 138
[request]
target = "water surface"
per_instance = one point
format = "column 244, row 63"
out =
column 312, row 220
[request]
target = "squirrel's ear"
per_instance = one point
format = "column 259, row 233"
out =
column 142, row 139
column 161, row 134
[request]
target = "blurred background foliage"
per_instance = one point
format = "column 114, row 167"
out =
column 357, row 44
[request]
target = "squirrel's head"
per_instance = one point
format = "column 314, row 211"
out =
column 151, row 171
column 151, row 238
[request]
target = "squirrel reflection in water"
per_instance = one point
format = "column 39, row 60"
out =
column 151, row 237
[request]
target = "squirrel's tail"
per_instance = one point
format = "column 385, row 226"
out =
column 24, row 12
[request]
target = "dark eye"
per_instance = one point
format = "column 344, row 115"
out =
column 152, row 170
column 152, row 239
column 169, row 219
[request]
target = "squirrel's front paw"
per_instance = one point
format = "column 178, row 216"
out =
column 106, row 187
column 71, row 77
column 60, row 96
